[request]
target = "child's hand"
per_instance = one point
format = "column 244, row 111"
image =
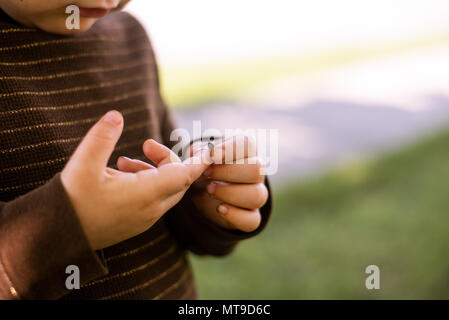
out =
column 113, row 206
column 232, row 193
column 229, row 194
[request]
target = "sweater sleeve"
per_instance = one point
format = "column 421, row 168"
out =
column 40, row 236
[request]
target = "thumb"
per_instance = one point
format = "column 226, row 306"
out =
column 96, row 148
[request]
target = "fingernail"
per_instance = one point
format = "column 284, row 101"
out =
column 211, row 188
column 222, row 209
column 126, row 158
column 208, row 172
column 113, row 117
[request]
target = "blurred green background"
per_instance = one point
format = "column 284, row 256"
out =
column 392, row 212
column 360, row 95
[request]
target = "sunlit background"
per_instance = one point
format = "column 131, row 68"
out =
column 359, row 91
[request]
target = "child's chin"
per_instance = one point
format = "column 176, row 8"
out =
column 67, row 32
column 61, row 29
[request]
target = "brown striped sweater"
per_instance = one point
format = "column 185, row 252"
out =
column 52, row 90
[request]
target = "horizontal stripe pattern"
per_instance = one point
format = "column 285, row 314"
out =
column 52, row 90
column 17, row 30
column 77, row 40
column 89, row 120
column 118, row 67
column 179, row 263
column 138, row 249
column 104, row 84
column 98, row 54
column 62, row 108
column 182, row 279
column 139, row 268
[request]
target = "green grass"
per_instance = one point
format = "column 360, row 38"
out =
column 198, row 84
column 392, row 212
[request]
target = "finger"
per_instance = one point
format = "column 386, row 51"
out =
column 132, row 165
column 176, row 176
column 251, row 172
column 158, row 153
column 241, row 219
column 194, row 148
column 208, row 205
column 248, row 196
column 234, row 149
column 201, row 183
column 209, row 143
column 198, row 163
column 113, row 173
column 96, row 148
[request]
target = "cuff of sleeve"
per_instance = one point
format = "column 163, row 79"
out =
column 40, row 237
column 210, row 238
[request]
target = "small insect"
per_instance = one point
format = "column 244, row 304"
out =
column 211, row 146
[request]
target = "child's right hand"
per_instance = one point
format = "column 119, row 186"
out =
column 113, row 206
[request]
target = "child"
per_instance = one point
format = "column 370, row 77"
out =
column 63, row 202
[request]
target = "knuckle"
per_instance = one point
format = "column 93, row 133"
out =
column 261, row 195
column 260, row 169
column 145, row 200
column 242, row 139
column 104, row 136
column 104, row 132
column 251, row 142
column 254, row 224
column 188, row 179
column 256, row 171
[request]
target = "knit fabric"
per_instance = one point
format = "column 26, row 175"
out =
column 52, row 90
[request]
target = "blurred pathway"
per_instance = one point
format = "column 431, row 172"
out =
column 343, row 114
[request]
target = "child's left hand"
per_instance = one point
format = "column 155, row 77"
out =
column 231, row 193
